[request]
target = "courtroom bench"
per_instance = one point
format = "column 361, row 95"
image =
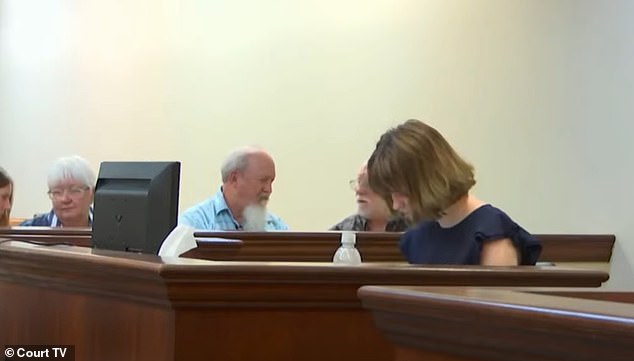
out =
column 476, row 324
column 125, row 306
column 569, row 249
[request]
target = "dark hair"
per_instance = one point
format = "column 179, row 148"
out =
column 5, row 180
column 415, row 160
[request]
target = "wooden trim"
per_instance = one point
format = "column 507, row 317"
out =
column 320, row 246
column 275, row 284
column 576, row 247
column 383, row 246
column 72, row 236
column 46, row 231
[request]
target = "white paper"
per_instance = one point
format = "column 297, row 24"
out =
column 179, row 241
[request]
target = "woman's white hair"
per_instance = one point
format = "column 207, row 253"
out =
column 238, row 160
column 73, row 167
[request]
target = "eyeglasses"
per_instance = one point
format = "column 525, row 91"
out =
column 74, row 192
column 355, row 184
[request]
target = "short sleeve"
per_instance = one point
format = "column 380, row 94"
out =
column 502, row 226
column 191, row 219
column 530, row 246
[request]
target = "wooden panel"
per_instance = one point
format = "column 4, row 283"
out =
column 71, row 236
column 280, row 334
column 306, row 246
column 215, row 310
column 100, row 328
column 434, row 323
column 320, row 246
column 576, row 247
column 383, row 246
column 46, row 231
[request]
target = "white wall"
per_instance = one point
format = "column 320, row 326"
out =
column 538, row 94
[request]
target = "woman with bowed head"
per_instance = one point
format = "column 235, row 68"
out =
column 421, row 176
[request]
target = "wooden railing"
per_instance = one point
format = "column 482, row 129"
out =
column 383, row 246
column 74, row 236
column 469, row 324
column 320, row 246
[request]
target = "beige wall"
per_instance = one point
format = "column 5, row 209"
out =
column 537, row 94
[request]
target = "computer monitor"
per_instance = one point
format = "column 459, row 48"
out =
column 136, row 205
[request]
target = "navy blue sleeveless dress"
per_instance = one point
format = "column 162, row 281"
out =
column 429, row 243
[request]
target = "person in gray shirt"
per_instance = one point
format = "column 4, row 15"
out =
column 373, row 213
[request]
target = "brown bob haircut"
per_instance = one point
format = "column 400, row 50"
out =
column 415, row 160
column 5, row 180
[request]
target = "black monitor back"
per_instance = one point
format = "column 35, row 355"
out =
column 136, row 205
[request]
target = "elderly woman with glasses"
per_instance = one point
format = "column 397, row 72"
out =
column 71, row 184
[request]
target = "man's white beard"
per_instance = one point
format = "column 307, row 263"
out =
column 254, row 218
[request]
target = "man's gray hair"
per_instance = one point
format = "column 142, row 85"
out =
column 73, row 167
column 238, row 160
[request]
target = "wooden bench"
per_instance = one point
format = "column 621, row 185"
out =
column 477, row 324
column 382, row 246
